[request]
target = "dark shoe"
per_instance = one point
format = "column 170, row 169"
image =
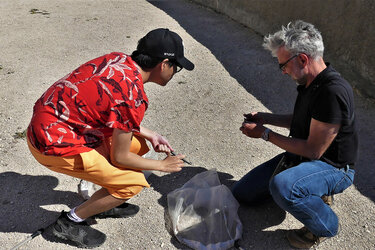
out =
column 328, row 199
column 122, row 211
column 80, row 233
column 303, row 238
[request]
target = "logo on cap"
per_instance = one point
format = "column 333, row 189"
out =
column 168, row 54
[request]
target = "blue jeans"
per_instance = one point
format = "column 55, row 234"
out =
column 297, row 190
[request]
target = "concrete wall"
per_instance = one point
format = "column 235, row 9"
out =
column 347, row 26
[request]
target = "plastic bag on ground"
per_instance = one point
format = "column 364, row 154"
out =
column 203, row 213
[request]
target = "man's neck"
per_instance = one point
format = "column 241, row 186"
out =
column 314, row 69
column 145, row 74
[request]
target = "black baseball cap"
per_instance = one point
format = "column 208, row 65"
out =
column 164, row 43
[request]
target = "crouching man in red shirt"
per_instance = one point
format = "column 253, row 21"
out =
column 88, row 125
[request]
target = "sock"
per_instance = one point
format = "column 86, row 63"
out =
column 73, row 216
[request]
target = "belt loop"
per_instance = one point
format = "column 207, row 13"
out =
column 347, row 168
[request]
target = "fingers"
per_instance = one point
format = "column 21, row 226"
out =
column 169, row 146
column 176, row 168
column 173, row 163
column 253, row 117
column 248, row 124
column 248, row 118
column 163, row 148
column 165, row 143
column 160, row 143
column 180, row 156
column 243, row 130
column 247, row 128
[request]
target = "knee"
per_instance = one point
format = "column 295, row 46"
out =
column 126, row 192
column 250, row 196
column 275, row 184
column 134, row 190
column 237, row 193
column 241, row 193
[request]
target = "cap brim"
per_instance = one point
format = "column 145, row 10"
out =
column 185, row 63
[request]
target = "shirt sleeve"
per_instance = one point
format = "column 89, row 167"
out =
column 330, row 105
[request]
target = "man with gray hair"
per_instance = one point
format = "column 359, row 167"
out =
column 322, row 146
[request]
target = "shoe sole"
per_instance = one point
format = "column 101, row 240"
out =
column 116, row 214
column 62, row 236
column 101, row 216
column 296, row 242
column 300, row 242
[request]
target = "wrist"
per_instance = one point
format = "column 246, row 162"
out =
column 147, row 133
column 152, row 137
column 160, row 165
column 266, row 134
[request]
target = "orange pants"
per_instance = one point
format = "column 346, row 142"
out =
column 95, row 166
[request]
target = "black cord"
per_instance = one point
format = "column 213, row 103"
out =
column 174, row 154
column 32, row 236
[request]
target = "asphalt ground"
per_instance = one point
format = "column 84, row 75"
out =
column 200, row 113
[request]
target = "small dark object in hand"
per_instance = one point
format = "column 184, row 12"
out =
column 174, row 154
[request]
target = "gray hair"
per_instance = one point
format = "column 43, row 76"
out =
column 297, row 37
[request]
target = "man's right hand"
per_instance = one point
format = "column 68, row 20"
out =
column 172, row 164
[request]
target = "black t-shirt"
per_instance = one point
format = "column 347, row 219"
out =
column 329, row 99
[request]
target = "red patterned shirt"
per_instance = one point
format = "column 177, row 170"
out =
column 78, row 111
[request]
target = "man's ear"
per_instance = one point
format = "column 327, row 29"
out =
column 163, row 64
column 304, row 59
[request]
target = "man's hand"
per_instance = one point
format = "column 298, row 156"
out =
column 263, row 118
column 172, row 163
column 160, row 144
column 122, row 157
column 256, row 117
column 251, row 129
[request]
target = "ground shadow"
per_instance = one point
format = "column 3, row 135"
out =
column 254, row 219
column 22, row 198
column 239, row 50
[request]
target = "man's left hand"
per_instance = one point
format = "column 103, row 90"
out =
column 161, row 144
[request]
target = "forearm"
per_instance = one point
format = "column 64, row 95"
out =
column 292, row 145
column 321, row 135
column 134, row 161
column 296, row 146
column 283, row 121
column 146, row 133
column 121, row 155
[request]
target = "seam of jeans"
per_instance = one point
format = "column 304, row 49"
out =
column 341, row 181
column 295, row 183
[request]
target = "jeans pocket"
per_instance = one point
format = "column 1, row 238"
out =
column 345, row 182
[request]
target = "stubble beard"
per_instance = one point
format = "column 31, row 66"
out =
column 301, row 81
